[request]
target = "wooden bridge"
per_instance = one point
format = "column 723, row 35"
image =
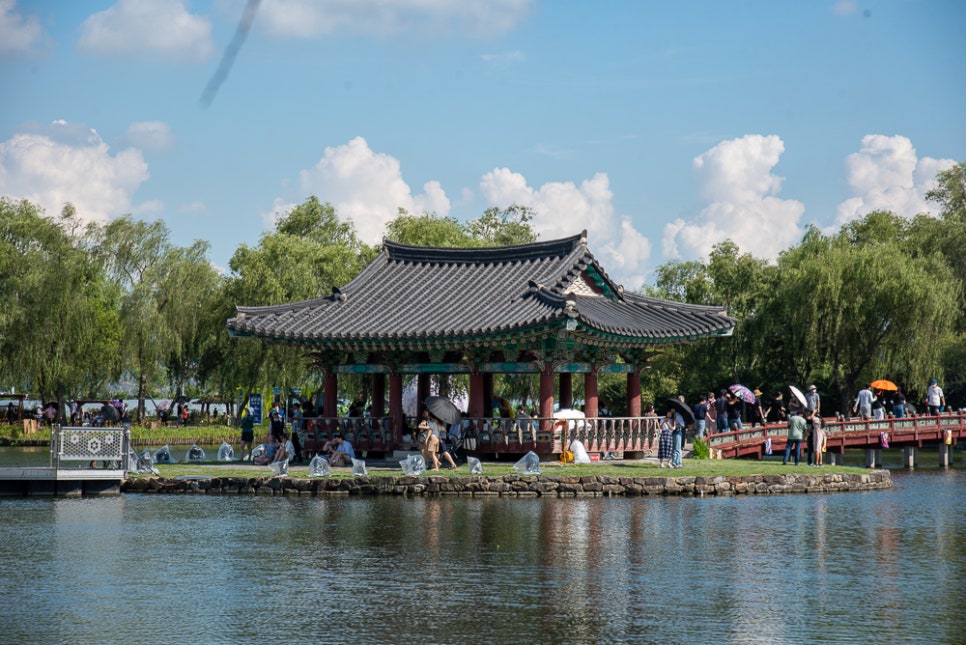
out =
column 910, row 433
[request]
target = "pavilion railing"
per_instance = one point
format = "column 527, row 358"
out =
column 493, row 434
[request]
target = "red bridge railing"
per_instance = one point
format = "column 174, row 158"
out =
column 841, row 434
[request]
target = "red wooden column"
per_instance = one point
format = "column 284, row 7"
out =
column 566, row 390
column 590, row 394
column 378, row 396
column 546, row 398
column 487, row 395
column 476, row 397
column 396, row 421
column 422, row 391
column 330, row 399
column 633, row 394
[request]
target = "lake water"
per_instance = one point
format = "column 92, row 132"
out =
column 886, row 566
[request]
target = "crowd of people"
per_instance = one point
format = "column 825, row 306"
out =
column 728, row 411
column 283, row 440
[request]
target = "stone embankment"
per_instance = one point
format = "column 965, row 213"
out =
column 517, row 485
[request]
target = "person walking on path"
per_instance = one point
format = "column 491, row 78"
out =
column 701, row 416
column 863, row 403
column 899, row 404
column 247, row 434
column 935, row 400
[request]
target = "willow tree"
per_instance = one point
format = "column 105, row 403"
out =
column 945, row 234
column 135, row 253
column 59, row 330
column 310, row 251
column 859, row 307
column 194, row 287
column 729, row 278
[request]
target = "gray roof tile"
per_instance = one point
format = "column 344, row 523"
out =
column 413, row 294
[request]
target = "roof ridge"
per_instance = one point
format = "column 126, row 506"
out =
column 484, row 254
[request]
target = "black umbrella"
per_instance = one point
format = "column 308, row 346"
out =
column 683, row 408
column 109, row 412
column 443, row 409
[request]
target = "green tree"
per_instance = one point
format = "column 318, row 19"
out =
column 504, row 227
column 194, row 286
column 59, row 327
column 859, row 307
column 730, row 279
column 429, row 229
column 946, row 235
column 310, row 251
column 136, row 256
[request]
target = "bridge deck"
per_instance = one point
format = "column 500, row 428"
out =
column 841, row 434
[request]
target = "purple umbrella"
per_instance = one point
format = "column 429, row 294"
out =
column 742, row 393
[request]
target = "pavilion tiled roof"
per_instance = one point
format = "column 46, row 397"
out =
column 412, row 296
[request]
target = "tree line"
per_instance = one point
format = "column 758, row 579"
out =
column 84, row 307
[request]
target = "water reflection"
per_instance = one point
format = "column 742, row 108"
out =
column 194, row 569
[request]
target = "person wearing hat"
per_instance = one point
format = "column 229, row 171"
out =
column 813, row 402
column 935, row 399
column 757, row 414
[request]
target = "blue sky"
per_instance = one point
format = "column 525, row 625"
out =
column 660, row 127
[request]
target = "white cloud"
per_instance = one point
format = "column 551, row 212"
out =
column 70, row 163
column 887, row 174
column 735, row 177
column 149, row 135
column 845, row 7
column 562, row 209
column 309, row 18
column 153, row 29
column 18, row 35
column 368, row 188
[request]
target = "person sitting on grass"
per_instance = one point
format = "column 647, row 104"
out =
column 342, row 452
column 286, row 449
column 269, row 455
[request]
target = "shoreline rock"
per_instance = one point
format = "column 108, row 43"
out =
column 518, row 485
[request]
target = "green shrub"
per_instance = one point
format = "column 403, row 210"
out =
column 700, row 449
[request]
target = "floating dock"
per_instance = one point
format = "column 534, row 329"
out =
column 74, row 453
